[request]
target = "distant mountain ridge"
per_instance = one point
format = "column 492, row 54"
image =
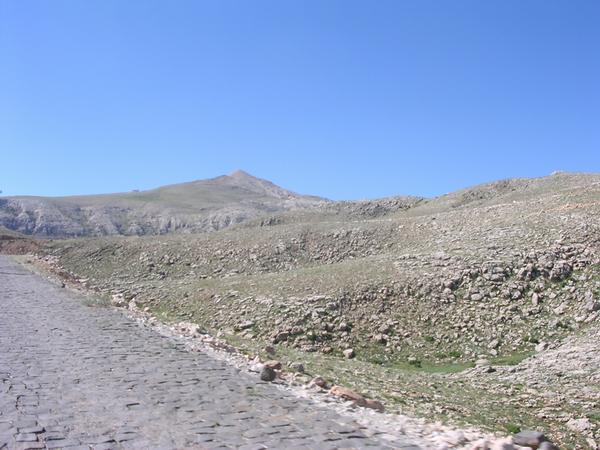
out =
column 217, row 203
column 197, row 206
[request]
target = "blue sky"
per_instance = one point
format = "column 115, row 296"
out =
column 340, row 98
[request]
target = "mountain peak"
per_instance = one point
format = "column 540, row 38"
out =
column 239, row 173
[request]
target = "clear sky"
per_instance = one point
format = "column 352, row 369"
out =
column 339, row 98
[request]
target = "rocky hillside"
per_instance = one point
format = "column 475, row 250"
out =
column 199, row 206
column 13, row 243
column 498, row 282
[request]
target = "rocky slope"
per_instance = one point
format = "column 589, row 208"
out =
column 13, row 243
column 499, row 283
column 204, row 205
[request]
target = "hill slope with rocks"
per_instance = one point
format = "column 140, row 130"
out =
column 481, row 306
column 198, row 206
column 13, row 243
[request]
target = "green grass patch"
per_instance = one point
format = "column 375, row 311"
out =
column 511, row 360
column 429, row 367
column 594, row 415
column 512, row 428
column 445, row 368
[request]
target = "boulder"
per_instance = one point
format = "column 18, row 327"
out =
column 246, row 324
column 547, row 445
column 269, row 349
column 529, row 438
column 189, row 328
column 319, row 381
column 267, row 374
column 494, row 344
column 297, row 367
column 579, row 425
column 281, row 337
column 481, row 444
column 541, row 347
column 374, row 404
column 273, row 364
column 502, row 444
column 344, row 326
column 349, row 353
column 348, row 394
column 560, row 271
column 380, row 338
column 118, row 300
column 592, row 306
column 454, row 438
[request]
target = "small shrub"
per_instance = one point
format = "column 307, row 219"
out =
column 377, row 359
column 415, row 363
column 594, row 415
column 454, row 354
column 512, row 428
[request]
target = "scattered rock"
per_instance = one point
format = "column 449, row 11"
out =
column 529, row 438
column 349, row 353
column 502, row 444
column 267, row 374
column 494, row 344
column 497, row 444
column 246, row 324
column 560, row 271
column 319, row 381
column 579, row 425
column 380, row 338
column 269, row 349
column 275, row 365
column 344, row 326
column 348, row 394
column 118, row 300
column 281, row 337
column 547, row 445
column 481, row 444
column 541, row 347
column 593, row 306
column 188, row 328
column 503, row 254
column 297, row 367
column 374, row 404
column 455, row 438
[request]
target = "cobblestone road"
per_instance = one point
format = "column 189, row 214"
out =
column 74, row 376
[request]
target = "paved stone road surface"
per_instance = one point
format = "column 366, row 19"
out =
column 74, row 376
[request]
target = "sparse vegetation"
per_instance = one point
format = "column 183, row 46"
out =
column 512, row 428
column 512, row 359
column 444, row 315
